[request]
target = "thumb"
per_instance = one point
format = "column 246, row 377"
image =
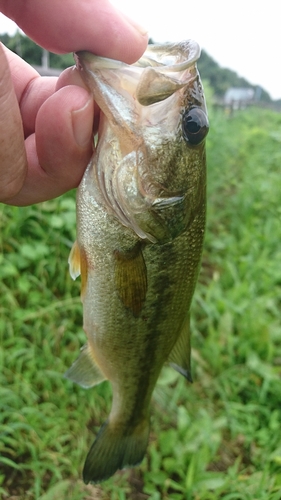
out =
column 13, row 163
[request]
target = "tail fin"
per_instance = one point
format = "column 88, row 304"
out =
column 115, row 448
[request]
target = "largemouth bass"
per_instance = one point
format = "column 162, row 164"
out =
column 140, row 228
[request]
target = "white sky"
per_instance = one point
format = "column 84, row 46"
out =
column 243, row 35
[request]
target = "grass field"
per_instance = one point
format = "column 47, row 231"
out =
column 219, row 438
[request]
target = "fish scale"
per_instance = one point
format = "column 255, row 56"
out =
column 140, row 228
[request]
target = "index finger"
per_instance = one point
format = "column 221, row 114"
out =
column 93, row 25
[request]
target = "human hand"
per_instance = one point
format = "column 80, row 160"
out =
column 46, row 123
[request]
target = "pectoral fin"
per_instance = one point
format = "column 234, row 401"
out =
column 78, row 265
column 84, row 370
column 179, row 358
column 74, row 261
column 131, row 278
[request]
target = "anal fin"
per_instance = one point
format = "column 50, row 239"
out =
column 84, row 370
column 179, row 357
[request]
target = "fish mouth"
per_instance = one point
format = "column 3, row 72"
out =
column 165, row 57
column 162, row 70
column 171, row 57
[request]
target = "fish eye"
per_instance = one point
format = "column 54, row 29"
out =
column 195, row 125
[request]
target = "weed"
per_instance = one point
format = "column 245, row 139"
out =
column 218, row 438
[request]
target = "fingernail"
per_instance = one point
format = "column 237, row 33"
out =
column 141, row 29
column 137, row 26
column 82, row 123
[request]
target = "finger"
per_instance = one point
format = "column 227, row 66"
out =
column 69, row 26
column 36, row 92
column 30, row 89
column 13, row 163
column 71, row 76
column 61, row 147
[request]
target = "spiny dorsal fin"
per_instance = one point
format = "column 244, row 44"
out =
column 131, row 278
column 179, row 357
column 84, row 370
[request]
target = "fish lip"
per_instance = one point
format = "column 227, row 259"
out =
column 83, row 59
column 77, row 60
column 189, row 49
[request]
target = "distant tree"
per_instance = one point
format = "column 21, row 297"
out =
column 32, row 53
column 221, row 79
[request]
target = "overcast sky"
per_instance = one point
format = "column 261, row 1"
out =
column 243, row 35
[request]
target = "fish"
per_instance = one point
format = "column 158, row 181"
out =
column 141, row 208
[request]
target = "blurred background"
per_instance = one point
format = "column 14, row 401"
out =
column 242, row 36
column 219, row 438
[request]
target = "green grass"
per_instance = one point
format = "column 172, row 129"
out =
column 219, row 438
